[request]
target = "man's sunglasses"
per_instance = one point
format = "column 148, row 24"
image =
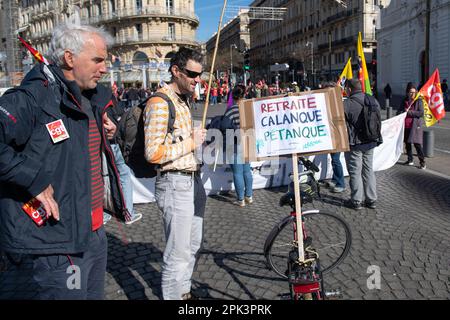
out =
column 191, row 74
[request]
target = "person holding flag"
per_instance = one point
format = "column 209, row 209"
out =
column 414, row 127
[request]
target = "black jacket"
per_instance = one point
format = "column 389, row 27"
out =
column 355, row 121
column 30, row 161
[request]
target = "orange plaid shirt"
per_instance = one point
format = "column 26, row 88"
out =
column 172, row 151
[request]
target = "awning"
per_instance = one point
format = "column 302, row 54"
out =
column 132, row 76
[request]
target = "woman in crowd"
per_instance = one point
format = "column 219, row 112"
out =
column 242, row 173
column 414, row 126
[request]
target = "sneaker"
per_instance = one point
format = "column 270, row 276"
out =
column 355, row 205
column 331, row 184
column 408, row 163
column 423, row 166
column 371, row 204
column 189, row 296
column 337, row 190
column 240, row 203
column 248, row 200
column 136, row 217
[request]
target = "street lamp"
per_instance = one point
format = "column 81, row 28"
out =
column 231, row 57
column 309, row 43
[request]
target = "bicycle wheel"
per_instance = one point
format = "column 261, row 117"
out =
column 329, row 234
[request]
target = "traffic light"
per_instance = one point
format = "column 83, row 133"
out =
column 246, row 60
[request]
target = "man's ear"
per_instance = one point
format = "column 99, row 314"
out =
column 68, row 59
column 175, row 70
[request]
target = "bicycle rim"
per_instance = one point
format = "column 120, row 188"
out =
column 331, row 239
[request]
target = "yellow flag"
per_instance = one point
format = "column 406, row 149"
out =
column 346, row 74
column 430, row 119
column 363, row 74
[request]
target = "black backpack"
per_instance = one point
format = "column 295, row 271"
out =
column 131, row 137
column 370, row 130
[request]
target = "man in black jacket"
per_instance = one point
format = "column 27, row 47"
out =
column 360, row 157
column 53, row 132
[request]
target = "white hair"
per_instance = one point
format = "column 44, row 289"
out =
column 73, row 37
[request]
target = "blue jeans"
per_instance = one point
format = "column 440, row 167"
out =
column 125, row 178
column 214, row 100
column 183, row 231
column 338, row 171
column 243, row 179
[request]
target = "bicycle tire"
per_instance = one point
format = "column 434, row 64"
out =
column 277, row 256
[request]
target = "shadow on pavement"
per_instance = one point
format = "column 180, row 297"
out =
column 240, row 266
column 123, row 258
column 432, row 189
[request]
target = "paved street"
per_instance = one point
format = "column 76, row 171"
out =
column 407, row 237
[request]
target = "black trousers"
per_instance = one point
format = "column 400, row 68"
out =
column 75, row 276
column 419, row 150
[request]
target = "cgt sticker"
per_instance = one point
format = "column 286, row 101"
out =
column 58, row 131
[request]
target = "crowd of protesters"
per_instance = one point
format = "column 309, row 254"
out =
column 59, row 157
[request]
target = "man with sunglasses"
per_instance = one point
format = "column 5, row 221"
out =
column 179, row 191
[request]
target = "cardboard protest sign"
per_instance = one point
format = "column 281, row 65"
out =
column 305, row 123
column 293, row 124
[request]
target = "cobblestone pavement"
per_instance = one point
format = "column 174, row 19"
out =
column 407, row 237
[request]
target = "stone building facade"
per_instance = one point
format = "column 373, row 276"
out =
column 10, row 53
column 401, row 42
column 234, row 41
column 146, row 32
column 316, row 37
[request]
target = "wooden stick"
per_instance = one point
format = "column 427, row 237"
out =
column 298, row 209
column 205, row 111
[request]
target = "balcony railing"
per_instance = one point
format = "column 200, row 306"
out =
column 345, row 41
column 341, row 15
column 43, row 8
column 40, row 34
column 145, row 11
column 163, row 39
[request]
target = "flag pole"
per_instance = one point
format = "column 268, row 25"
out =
column 205, row 109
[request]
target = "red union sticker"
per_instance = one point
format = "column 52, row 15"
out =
column 57, row 131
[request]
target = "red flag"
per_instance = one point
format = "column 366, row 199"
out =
column 36, row 54
column 434, row 98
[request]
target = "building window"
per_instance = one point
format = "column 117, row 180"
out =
column 169, row 6
column 139, row 30
column 171, row 31
column 112, row 6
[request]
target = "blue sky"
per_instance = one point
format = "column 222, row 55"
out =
column 209, row 13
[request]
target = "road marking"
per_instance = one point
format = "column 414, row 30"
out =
column 442, row 128
column 444, row 151
column 439, row 174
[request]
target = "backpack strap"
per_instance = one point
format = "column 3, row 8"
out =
column 172, row 112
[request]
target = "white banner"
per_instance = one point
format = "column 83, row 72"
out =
column 270, row 174
column 387, row 154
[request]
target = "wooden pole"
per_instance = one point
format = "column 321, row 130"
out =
column 205, row 109
column 298, row 209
